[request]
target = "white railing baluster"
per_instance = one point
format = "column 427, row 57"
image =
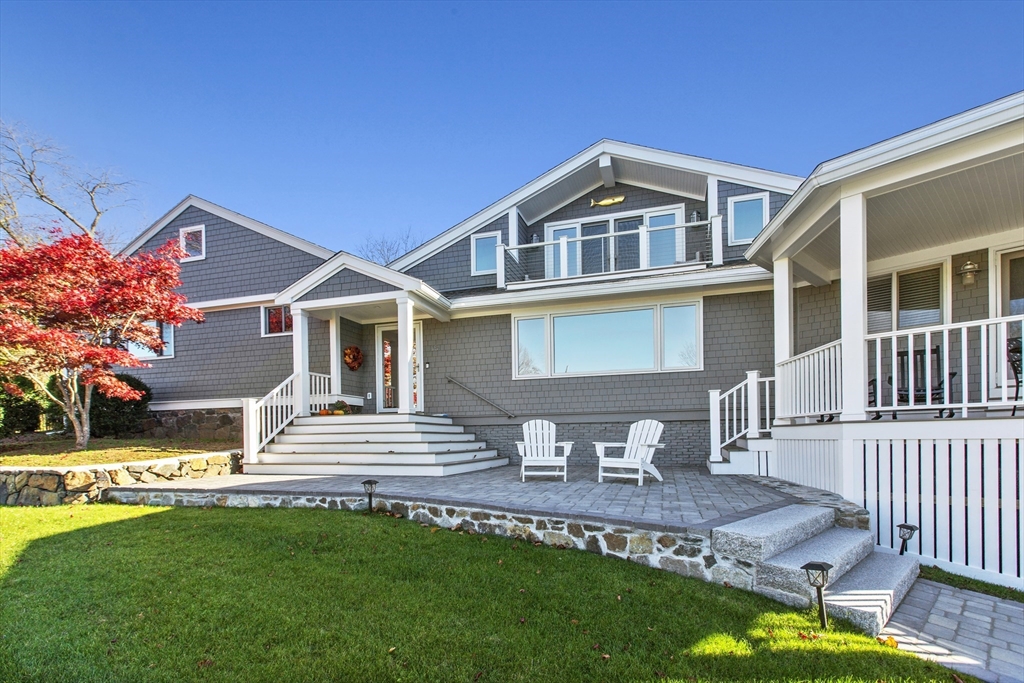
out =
column 1001, row 360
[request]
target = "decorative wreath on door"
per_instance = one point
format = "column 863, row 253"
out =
column 353, row 357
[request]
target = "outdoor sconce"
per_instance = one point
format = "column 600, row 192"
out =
column 907, row 532
column 817, row 576
column 370, row 485
column 968, row 271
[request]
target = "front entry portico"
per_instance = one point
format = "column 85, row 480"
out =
column 390, row 373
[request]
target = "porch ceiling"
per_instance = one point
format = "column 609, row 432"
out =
column 974, row 202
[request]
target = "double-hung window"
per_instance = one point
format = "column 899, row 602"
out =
column 748, row 214
column 485, row 252
column 193, row 242
column 656, row 338
column 905, row 300
column 277, row 320
column 166, row 334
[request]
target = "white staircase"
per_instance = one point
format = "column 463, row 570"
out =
column 865, row 585
column 385, row 444
column 740, row 424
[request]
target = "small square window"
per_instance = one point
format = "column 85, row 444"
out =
column 277, row 320
column 193, row 243
column 485, row 253
column 748, row 214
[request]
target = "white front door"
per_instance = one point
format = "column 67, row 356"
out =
column 388, row 377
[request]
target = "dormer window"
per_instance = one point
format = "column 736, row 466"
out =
column 193, row 243
column 485, row 253
column 748, row 214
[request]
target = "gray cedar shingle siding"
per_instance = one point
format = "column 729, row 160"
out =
column 347, row 283
column 725, row 190
column 239, row 261
column 970, row 302
column 354, row 382
column 817, row 316
column 449, row 270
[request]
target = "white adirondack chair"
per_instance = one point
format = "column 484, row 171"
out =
column 538, row 449
column 638, row 452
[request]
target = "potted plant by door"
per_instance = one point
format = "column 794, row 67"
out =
column 341, row 408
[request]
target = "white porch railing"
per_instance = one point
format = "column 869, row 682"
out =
column 265, row 418
column 954, row 367
column 744, row 410
column 609, row 252
column 811, row 383
column 319, row 391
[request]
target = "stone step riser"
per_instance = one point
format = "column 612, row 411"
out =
column 372, row 419
column 380, row 470
column 374, row 437
column 387, row 459
column 377, row 449
column 404, row 427
column 868, row 594
column 758, row 538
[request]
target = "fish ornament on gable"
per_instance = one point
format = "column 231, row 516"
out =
column 609, row 201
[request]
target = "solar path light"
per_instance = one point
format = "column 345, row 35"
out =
column 370, row 485
column 817, row 576
column 907, row 532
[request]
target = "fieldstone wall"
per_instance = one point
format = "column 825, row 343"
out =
column 214, row 424
column 88, row 483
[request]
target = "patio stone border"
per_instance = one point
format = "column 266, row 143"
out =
column 87, row 483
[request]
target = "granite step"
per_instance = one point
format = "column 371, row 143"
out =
column 781, row 577
column 868, row 594
column 757, row 538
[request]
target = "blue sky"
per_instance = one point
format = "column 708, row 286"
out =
column 333, row 121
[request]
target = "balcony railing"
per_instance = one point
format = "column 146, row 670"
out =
column 632, row 250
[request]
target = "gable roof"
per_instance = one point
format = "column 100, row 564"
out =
column 343, row 260
column 827, row 174
column 228, row 215
column 605, row 162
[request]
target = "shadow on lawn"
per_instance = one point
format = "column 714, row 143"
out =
column 287, row 594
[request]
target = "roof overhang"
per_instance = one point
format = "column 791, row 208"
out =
column 228, row 215
column 982, row 135
column 605, row 163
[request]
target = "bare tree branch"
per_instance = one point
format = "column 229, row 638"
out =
column 384, row 249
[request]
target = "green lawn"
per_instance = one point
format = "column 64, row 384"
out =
column 119, row 593
column 60, row 452
column 957, row 581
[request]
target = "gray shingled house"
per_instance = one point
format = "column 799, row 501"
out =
column 616, row 295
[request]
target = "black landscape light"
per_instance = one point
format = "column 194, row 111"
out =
column 817, row 576
column 370, row 485
column 907, row 532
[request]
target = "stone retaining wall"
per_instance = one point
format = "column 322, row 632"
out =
column 214, row 424
column 88, row 483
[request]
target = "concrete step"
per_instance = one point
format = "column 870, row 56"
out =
column 435, row 470
column 868, row 594
column 383, row 418
column 761, row 443
column 373, row 437
column 758, row 538
column 302, row 425
column 379, row 448
column 780, row 577
column 735, row 461
column 401, row 458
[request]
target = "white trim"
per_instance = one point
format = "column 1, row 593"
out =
column 232, row 303
column 342, row 261
column 228, row 215
column 496, row 234
column 604, row 277
column 198, row 404
column 995, row 279
column 764, row 197
column 263, row 321
column 744, row 175
column 378, row 368
column 181, row 242
column 161, row 327
column 657, row 309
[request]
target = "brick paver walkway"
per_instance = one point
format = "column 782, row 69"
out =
column 688, row 497
column 961, row 629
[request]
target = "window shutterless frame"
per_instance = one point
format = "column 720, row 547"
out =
column 658, row 312
column 166, row 333
column 732, row 201
column 496, row 236
column 945, row 293
column 264, row 331
column 201, row 229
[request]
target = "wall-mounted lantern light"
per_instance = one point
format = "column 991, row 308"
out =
column 968, row 271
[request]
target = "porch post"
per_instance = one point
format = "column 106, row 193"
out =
column 335, row 347
column 403, row 359
column 716, row 222
column 782, row 288
column 300, row 360
column 853, row 248
column 754, row 404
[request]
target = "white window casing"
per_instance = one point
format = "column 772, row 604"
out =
column 484, row 268
column 907, row 299
column 285, row 321
column 187, row 240
column 739, row 199
column 145, row 353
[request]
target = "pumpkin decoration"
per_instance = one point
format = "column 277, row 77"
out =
column 353, row 357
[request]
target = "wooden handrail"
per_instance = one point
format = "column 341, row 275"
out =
column 480, row 396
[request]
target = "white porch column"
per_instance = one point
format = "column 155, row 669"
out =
column 403, row 360
column 335, row 347
column 783, row 296
column 853, row 265
column 716, row 223
column 300, row 360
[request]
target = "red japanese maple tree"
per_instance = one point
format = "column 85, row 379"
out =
column 69, row 309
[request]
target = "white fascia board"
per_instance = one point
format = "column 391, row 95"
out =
column 705, row 278
column 339, row 262
column 971, row 122
column 228, row 215
column 234, row 302
column 745, row 175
